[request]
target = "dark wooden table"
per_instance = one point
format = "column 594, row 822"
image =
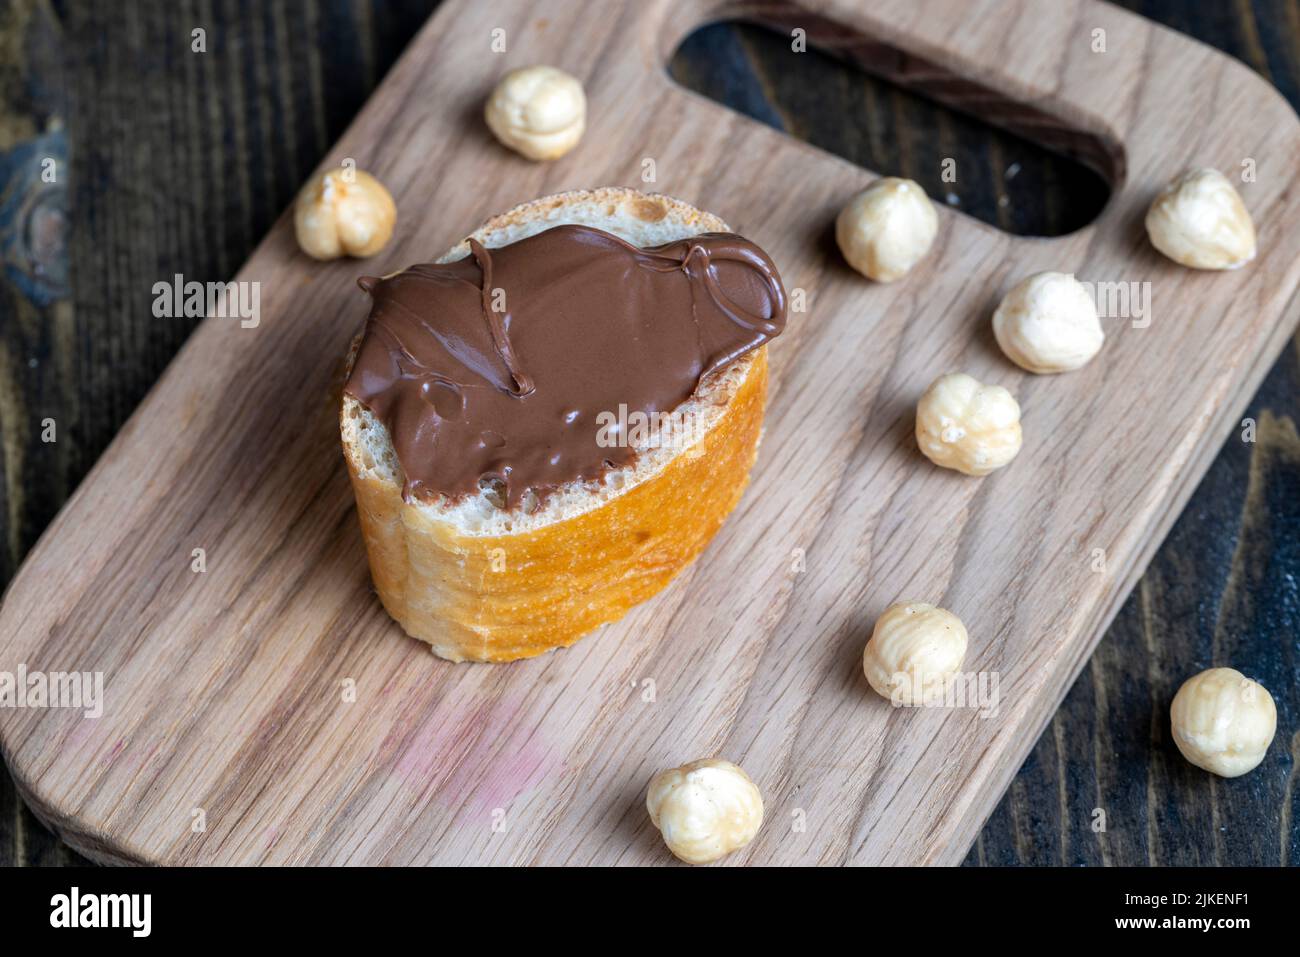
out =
column 169, row 162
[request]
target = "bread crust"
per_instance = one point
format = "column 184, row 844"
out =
column 502, row 597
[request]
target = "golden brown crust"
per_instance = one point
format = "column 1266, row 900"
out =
column 504, row 597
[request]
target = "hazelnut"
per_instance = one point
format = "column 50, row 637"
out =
column 705, row 809
column 538, row 111
column 964, row 425
column 1048, row 323
column 914, row 649
column 343, row 213
column 1223, row 722
column 887, row 228
column 1200, row 221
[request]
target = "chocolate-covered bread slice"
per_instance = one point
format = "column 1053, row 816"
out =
column 544, row 427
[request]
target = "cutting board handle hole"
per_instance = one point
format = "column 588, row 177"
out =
column 1009, row 164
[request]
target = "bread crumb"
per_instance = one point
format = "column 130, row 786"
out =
column 649, row 211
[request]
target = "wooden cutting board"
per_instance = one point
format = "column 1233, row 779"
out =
column 266, row 710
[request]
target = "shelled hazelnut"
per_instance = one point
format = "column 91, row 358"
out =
column 965, row 425
column 914, row 649
column 1199, row 220
column 538, row 111
column 1223, row 722
column 344, row 212
column 1048, row 323
column 705, row 810
column 887, row 229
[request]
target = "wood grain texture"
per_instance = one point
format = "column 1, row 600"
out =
column 1108, row 746
column 1159, row 675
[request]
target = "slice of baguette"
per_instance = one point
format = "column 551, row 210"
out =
column 481, row 583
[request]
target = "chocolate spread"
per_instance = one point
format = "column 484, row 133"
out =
column 493, row 370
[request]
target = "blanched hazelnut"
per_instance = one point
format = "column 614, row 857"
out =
column 887, row 228
column 914, row 649
column 964, row 425
column 1200, row 221
column 1048, row 323
column 343, row 213
column 705, row 809
column 1223, row 722
column 538, row 111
